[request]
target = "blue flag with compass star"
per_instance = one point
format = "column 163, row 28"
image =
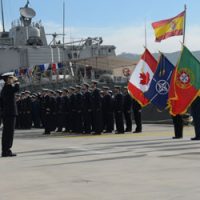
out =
column 159, row 86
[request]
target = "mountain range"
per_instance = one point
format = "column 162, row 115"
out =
column 173, row 57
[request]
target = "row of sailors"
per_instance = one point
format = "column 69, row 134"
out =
column 79, row 109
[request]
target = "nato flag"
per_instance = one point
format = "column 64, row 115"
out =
column 159, row 86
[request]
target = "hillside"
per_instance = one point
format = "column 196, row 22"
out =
column 173, row 57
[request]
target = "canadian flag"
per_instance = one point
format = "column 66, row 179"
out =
column 141, row 77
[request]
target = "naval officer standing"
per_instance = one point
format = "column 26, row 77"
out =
column 9, row 112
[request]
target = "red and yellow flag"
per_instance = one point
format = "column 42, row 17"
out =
column 169, row 27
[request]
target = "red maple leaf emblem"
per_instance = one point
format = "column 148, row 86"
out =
column 145, row 78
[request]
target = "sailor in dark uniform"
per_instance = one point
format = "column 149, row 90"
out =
column 87, row 109
column 59, row 117
column 103, row 94
column 50, row 112
column 53, row 110
column 35, row 111
column 47, row 112
column 27, row 110
column 22, row 111
column 112, row 103
column 42, row 105
column 107, row 111
column 137, row 109
column 127, row 110
column 79, row 109
column 66, row 109
column 118, row 110
column 178, row 126
column 96, row 109
column 195, row 111
column 9, row 112
column 72, row 102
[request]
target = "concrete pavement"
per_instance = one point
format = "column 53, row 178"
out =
column 147, row 166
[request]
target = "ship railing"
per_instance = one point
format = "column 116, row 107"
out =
column 6, row 41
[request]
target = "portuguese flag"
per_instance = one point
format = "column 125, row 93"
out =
column 185, row 83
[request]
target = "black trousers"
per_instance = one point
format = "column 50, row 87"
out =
column 27, row 121
column 66, row 121
column 195, row 111
column 87, row 121
column 138, row 119
column 178, row 125
column 79, row 122
column 50, row 122
column 128, row 120
column 97, row 125
column 59, row 121
column 110, row 121
column 119, row 121
column 8, row 133
column 73, row 120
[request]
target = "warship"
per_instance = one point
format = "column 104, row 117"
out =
column 25, row 46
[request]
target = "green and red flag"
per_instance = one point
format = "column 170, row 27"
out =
column 185, row 83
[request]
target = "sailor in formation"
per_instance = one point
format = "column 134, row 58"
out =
column 78, row 109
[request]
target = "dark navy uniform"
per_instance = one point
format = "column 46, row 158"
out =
column 96, row 112
column 79, row 112
column 50, row 111
column 118, row 110
column 17, row 124
column 195, row 110
column 35, row 112
column 27, row 113
column 87, row 112
column 127, row 111
column 178, row 126
column 59, row 116
column 137, row 109
column 9, row 113
column 66, row 112
column 72, row 101
column 42, row 105
column 23, row 113
column 107, row 109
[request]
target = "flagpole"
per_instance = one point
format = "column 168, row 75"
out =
column 185, row 8
column 145, row 34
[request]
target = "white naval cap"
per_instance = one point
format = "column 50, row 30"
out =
column 6, row 75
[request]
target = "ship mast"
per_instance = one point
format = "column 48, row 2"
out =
column 26, row 6
column 2, row 15
column 63, row 23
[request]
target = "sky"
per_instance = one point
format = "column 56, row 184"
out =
column 120, row 22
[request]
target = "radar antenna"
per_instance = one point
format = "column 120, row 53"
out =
column 54, row 35
column 26, row 6
column 27, row 14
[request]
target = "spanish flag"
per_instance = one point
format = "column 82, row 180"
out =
column 169, row 27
